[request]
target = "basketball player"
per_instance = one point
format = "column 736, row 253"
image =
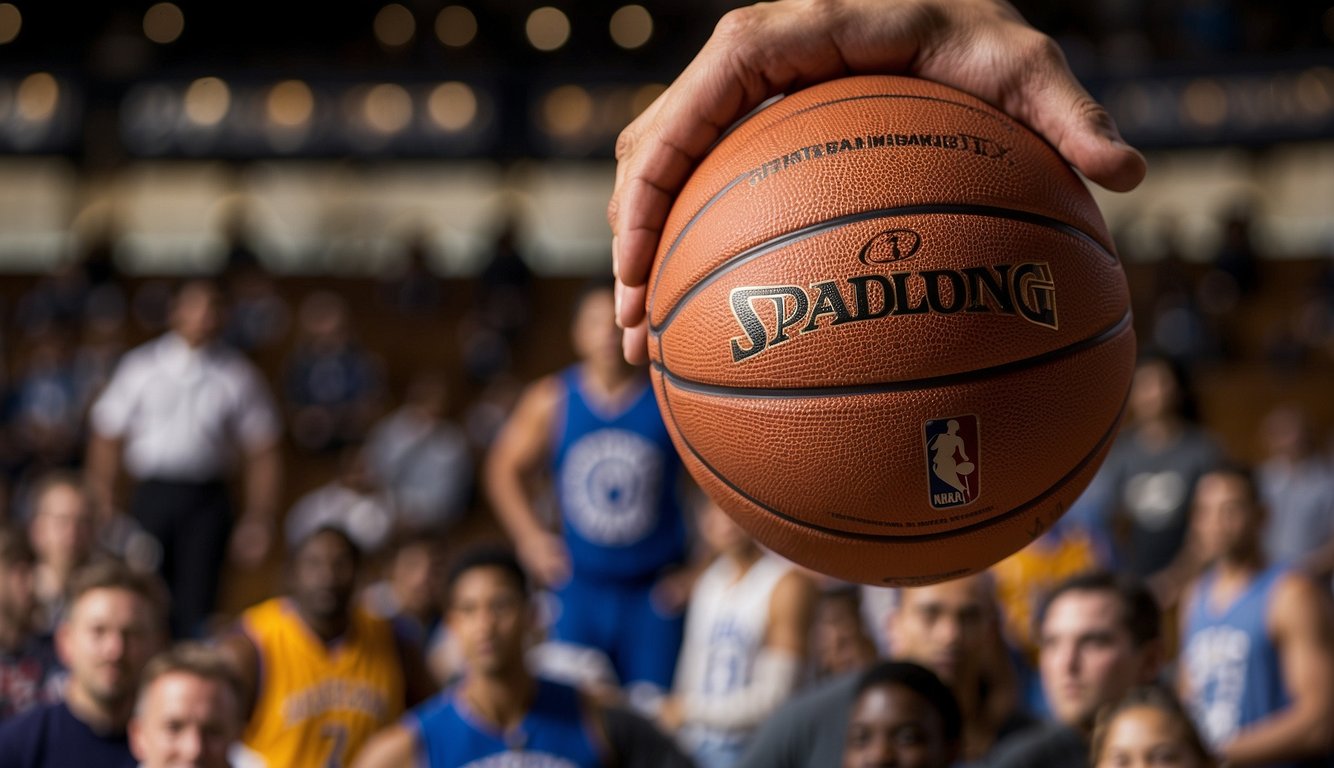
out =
column 902, row 716
column 499, row 713
column 1257, row 667
column 980, row 46
column 321, row 674
column 745, row 639
column 597, row 425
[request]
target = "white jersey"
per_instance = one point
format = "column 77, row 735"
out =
column 725, row 632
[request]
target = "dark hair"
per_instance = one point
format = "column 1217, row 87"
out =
column 1188, row 400
column 1140, row 614
column 15, row 548
column 486, row 557
column 1243, row 473
column 924, row 683
column 113, row 574
column 296, row 545
column 1153, row 697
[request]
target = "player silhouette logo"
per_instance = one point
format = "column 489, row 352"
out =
column 952, row 460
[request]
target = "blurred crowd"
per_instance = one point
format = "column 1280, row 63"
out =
column 148, row 430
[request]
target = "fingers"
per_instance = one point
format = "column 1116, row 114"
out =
column 634, row 343
column 1051, row 101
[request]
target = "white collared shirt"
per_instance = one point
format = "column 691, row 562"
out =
column 184, row 413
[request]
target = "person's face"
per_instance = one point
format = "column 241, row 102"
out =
column 62, row 529
column 415, row 571
column 595, row 336
column 1225, row 519
column 839, row 639
column 892, row 725
column 1088, row 657
column 16, row 593
column 720, row 532
column 185, row 721
column 1146, row 737
column 945, row 627
column 490, row 617
column 324, row 572
column 108, row 636
column 1153, row 391
column 197, row 314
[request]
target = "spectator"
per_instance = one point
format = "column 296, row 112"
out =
column 499, row 713
column 46, row 412
column 952, row 629
column 411, row 288
column 188, row 710
column 353, row 502
column 745, row 640
column 30, row 674
column 623, row 541
column 115, row 623
column 409, row 595
column 62, row 535
column 176, row 411
column 421, row 459
column 1297, row 486
column 840, row 643
column 902, row 715
column 332, row 383
column 1148, row 727
column 321, row 675
column 1100, row 636
column 1153, row 466
column 259, row 318
column 1257, row 665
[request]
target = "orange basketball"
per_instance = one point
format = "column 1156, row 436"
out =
column 889, row 331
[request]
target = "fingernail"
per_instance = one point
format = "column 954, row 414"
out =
column 615, row 260
column 616, row 297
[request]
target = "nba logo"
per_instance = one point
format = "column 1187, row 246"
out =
column 952, row 460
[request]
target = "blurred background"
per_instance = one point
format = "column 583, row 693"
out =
column 401, row 195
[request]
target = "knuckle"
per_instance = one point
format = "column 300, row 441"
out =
column 738, row 24
column 626, row 142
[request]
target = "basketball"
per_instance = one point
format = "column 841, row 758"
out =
column 888, row 330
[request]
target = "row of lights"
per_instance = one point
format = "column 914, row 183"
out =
column 547, row 28
column 1250, row 102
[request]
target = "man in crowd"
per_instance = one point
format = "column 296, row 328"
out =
column 115, row 622
column 499, row 713
column 1099, row 635
column 949, row 628
column 597, row 425
column 902, row 716
column 746, row 632
column 176, row 411
column 30, row 674
column 189, row 710
column 1257, row 665
column 319, row 672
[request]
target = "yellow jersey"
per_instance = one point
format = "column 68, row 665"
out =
column 317, row 705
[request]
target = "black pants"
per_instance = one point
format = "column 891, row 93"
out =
column 192, row 522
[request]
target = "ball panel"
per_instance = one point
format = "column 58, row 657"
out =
column 913, row 563
column 955, row 149
column 863, row 463
column 1025, row 290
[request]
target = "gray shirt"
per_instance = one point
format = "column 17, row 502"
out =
column 807, row 732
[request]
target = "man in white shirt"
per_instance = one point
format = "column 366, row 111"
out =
column 178, row 413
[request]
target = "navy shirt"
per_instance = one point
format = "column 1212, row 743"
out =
column 53, row 736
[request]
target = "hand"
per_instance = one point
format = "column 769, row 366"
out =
column 251, row 540
column 671, row 714
column 545, row 557
column 980, row 46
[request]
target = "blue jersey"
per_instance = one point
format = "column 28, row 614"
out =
column 616, row 482
column 52, row 735
column 554, row 734
column 1231, row 664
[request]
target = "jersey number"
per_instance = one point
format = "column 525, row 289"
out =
column 338, row 735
